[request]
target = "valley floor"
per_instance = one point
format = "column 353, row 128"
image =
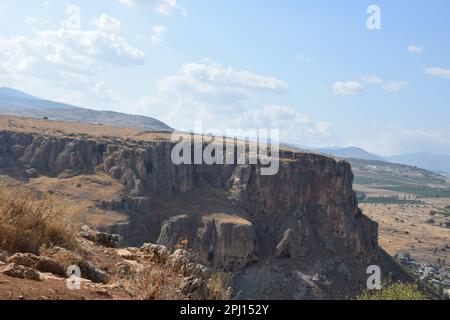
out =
column 417, row 234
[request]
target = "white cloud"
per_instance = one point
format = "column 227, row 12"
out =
column 292, row 124
column 372, row 79
column 223, row 98
column 415, row 49
column 67, row 50
column 163, row 7
column 347, row 88
column 106, row 23
column 351, row 87
column 438, row 72
column 158, row 32
column 74, row 60
column 208, row 76
column 394, row 86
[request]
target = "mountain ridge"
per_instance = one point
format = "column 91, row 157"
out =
column 438, row 163
column 17, row 103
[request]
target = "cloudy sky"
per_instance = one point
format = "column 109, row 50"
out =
column 314, row 71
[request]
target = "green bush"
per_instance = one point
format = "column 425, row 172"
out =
column 395, row 291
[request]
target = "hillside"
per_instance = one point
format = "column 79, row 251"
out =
column 434, row 162
column 17, row 103
column 438, row 163
column 386, row 174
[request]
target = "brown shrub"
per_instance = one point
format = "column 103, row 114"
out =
column 152, row 283
column 219, row 285
column 28, row 222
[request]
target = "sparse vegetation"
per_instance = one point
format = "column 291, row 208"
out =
column 219, row 285
column 445, row 212
column 395, row 291
column 152, row 284
column 28, row 223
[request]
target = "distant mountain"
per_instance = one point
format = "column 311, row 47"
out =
column 382, row 172
column 439, row 163
column 350, row 152
column 12, row 93
column 435, row 162
column 17, row 103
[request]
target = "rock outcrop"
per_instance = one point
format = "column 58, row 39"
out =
column 42, row 264
column 219, row 240
column 102, row 238
column 274, row 228
column 21, row 272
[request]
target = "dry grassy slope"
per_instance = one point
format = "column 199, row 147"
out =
column 380, row 172
column 59, row 128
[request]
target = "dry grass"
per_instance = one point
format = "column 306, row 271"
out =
column 27, row 222
column 219, row 285
column 60, row 128
column 152, row 283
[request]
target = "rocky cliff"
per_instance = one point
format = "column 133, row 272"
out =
column 298, row 234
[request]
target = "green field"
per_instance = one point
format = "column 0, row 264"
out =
column 419, row 190
column 423, row 191
column 381, row 200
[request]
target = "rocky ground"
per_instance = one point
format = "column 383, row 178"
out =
column 150, row 272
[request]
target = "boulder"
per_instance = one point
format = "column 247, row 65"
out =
column 194, row 288
column 22, row 272
column 43, row 264
column 88, row 269
column 91, row 272
column 128, row 254
column 104, row 239
column 156, row 253
column 182, row 262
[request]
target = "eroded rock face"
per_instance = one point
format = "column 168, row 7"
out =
column 219, row 240
column 310, row 190
column 297, row 218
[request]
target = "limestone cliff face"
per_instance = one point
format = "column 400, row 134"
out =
column 307, row 211
column 218, row 240
column 310, row 192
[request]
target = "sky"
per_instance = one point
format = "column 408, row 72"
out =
column 373, row 74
